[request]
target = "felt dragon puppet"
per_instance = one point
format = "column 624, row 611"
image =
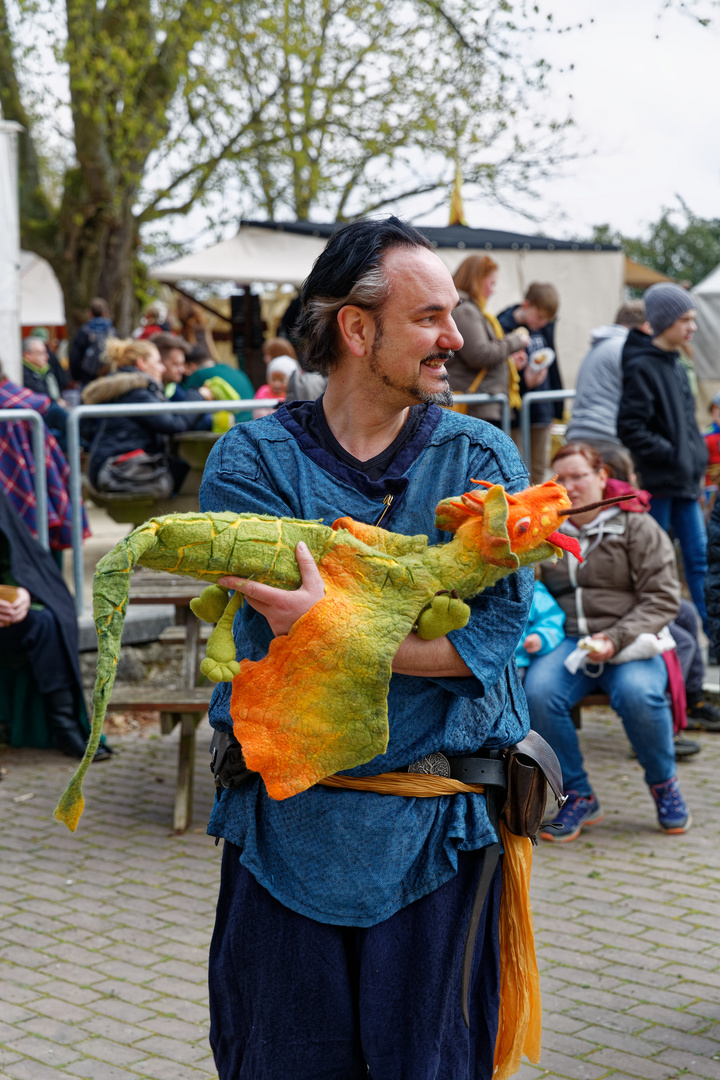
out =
column 317, row 703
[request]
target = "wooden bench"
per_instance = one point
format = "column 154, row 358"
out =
column 587, row 703
column 183, row 707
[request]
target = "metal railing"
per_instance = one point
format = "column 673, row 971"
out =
column 101, row 411
column 193, row 407
column 40, row 479
column 478, row 399
column 528, row 399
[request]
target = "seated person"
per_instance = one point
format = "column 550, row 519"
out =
column 626, row 585
column 173, row 351
column 701, row 714
column 200, row 366
column 543, row 630
column 17, row 465
column 38, row 622
column 136, row 378
column 278, row 371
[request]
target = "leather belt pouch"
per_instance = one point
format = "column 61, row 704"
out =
column 532, row 766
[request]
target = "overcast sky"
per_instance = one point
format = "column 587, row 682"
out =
column 644, row 93
column 646, row 99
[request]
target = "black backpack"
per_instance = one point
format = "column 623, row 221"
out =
column 92, row 365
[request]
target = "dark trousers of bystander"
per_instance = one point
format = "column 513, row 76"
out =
column 684, row 518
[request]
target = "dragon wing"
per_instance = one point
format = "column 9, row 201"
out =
column 317, row 703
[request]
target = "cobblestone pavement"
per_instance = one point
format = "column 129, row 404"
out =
column 104, row 935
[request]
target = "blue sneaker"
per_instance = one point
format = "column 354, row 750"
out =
column 673, row 814
column 578, row 812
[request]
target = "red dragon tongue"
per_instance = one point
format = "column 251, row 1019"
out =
column 567, row 543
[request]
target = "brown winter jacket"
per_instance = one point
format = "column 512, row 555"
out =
column 627, row 584
column 481, row 349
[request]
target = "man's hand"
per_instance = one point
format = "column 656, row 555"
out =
column 532, row 643
column 282, row 608
column 17, row 611
column 520, row 360
column 606, row 649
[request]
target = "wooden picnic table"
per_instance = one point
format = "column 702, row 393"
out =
column 184, row 707
column 155, row 587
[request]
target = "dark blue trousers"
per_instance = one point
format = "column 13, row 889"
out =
column 295, row 999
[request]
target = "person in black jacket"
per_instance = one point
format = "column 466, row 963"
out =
column 137, row 378
column 656, row 422
column 88, row 346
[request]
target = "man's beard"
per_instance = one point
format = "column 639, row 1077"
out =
column 413, row 388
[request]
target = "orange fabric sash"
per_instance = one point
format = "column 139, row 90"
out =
column 520, row 1018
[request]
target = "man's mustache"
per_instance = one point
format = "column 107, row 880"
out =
column 446, row 354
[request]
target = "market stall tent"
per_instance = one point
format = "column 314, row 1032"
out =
column 706, row 343
column 41, row 298
column 589, row 277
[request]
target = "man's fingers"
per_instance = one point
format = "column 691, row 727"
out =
column 311, row 576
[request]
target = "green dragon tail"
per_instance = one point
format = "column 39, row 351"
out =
column 112, row 586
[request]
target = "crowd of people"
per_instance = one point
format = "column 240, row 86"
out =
column 364, row 891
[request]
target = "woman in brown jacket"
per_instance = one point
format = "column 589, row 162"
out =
column 488, row 361
column 625, row 586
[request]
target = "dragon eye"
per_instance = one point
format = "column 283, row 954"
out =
column 522, row 526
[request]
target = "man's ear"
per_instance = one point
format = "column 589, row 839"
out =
column 357, row 329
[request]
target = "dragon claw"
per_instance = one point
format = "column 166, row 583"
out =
column 446, row 612
column 218, row 670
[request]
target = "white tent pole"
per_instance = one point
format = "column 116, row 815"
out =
column 10, row 351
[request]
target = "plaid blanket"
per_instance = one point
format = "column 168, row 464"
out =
column 17, row 468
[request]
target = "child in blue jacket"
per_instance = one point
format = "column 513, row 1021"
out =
column 544, row 628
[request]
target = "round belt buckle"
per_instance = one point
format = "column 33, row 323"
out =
column 432, row 765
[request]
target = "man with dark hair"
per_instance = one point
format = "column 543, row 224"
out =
column 173, row 352
column 600, row 381
column 200, row 367
column 338, row 945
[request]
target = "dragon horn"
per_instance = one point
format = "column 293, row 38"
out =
column 596, row 505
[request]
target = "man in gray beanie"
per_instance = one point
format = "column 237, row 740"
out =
column 657, row 423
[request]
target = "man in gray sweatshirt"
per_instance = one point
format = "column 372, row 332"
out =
column 600, row 381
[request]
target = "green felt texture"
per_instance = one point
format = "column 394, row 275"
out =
column 317, row 703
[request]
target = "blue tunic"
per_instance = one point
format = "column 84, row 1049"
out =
column 348, row 857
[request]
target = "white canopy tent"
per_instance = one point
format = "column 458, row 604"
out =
column 589, row 278
column 41, row 298
column 706, row 342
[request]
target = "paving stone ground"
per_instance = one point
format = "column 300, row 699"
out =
column 104, row 934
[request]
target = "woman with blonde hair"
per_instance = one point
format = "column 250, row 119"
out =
column 130, row 453
column 489, row 361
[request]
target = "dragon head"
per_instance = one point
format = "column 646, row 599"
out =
column 512, row 529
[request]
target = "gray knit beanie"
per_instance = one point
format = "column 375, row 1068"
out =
column 664, row 303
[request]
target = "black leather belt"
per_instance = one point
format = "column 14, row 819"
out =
column 472, row 769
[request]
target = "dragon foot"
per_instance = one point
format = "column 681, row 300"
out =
column 446, row 612
column 219, row 670
column 210, row 604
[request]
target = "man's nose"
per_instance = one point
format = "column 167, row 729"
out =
column 451, row 338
